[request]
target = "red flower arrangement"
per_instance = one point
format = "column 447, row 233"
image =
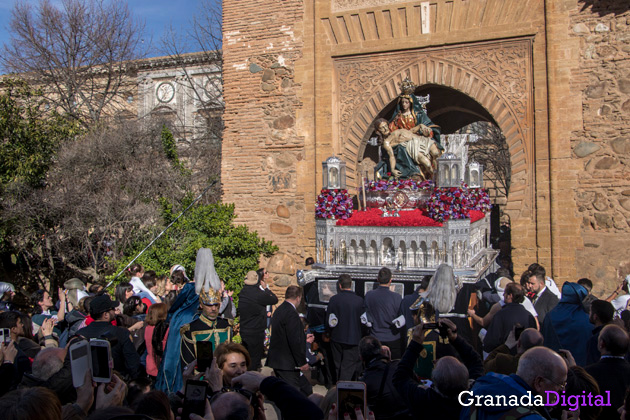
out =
column 373, row 217
column 333, row 204
column 480, row 200
column 456, row 203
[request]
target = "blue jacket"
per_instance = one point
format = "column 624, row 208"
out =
column 495, row 384
column 567, row 326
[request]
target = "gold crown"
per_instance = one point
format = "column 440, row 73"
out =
column 407, row 87
column 211, row 297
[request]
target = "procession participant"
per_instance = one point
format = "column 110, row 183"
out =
column 208, row 327
column 383, row 307
column 182, row 312
column 344, row 323
column 287, row 352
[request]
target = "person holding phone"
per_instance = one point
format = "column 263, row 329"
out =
column 449, row 376
column 124, row 354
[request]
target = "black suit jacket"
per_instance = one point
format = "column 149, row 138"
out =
column 347, row 307
column 612, row 375
column 126, row 358
column 287, row 347
column 544, row 304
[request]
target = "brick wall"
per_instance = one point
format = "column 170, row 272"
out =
column 263, row 153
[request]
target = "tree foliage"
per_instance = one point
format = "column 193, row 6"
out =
column 30, row 135
column 236, row 250
column 80, row 54
column 102, row 195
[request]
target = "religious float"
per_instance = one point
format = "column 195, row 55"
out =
column 425, row 206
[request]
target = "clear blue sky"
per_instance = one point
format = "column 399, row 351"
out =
column 157, row 15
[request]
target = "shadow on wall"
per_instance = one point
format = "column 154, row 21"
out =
column 605, row 7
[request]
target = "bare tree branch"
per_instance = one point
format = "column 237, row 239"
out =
column 80, row 54
column 492, row 152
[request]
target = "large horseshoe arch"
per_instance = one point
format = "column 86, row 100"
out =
column 497, row 76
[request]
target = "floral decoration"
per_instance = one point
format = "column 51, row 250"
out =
column 456, row 203
column 333, row 204
column 480, row 199
column 397, row 184
column 373, row 217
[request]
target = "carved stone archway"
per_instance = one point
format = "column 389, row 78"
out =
column 497, row 75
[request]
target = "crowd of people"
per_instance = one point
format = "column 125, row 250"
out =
column 527, row 349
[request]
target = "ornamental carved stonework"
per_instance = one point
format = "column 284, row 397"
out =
column 357, row 82
column 505, row 67
column 498, row 75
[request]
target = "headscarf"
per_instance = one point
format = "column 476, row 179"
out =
column 567, row 325
column 178, row 267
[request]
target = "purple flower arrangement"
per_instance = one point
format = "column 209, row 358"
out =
column 397, row 184
column 480, row 200
column 456, row 203
column 333, row 204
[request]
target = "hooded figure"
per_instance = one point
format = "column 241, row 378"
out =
column 184, row 311
column 567, row 325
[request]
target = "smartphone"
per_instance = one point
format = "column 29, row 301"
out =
column 5, row 335
column 350, row 396
column 432, row 325
column 195, row 398
column 79, row 361
column 205, row 350
column 101, row 357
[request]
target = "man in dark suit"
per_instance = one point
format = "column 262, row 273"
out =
column 253, row 301
column 343, row 320
column 612, row 372
column 511, row 314
column 287, row 347
column 543, row 299
column 600, row 315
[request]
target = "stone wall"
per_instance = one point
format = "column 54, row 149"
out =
column 602, row 145
column 264, row 155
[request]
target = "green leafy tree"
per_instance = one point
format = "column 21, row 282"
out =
column 29, row 134
column 235, row 248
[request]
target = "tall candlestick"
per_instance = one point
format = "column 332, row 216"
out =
column 364, row 198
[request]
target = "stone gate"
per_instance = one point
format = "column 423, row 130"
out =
column 305, row 79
